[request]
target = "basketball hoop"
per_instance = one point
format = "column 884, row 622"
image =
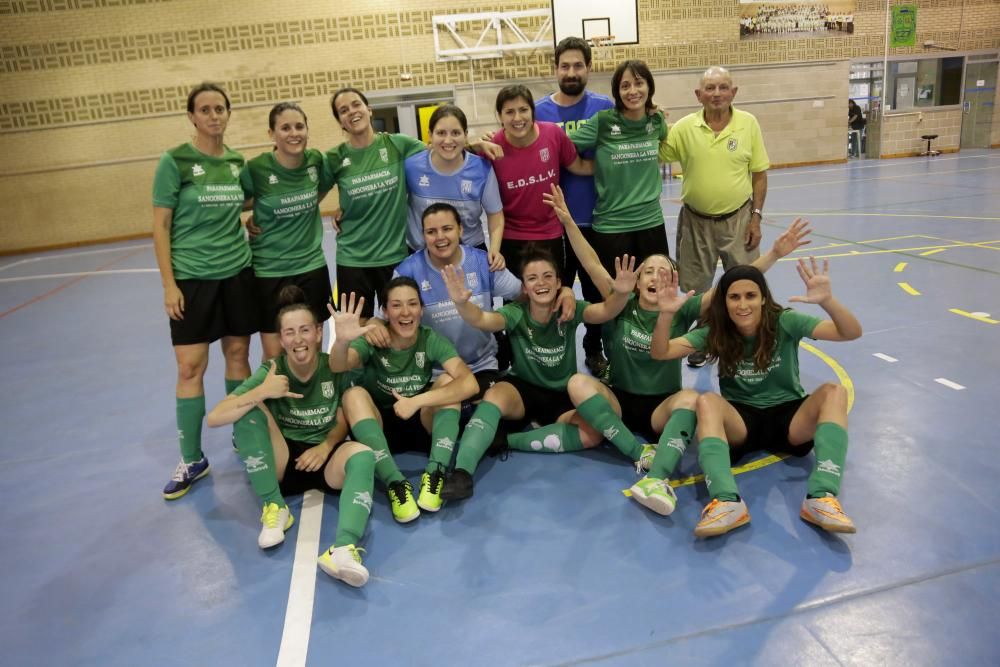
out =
column 602, row 46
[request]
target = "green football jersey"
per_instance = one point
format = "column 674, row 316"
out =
column 408, row 371
column 542, row 354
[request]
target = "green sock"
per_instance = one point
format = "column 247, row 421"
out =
column 477, row 437
column 370, row 433
column 674, row 440
column 830, row 444
column 253, row 442
column 550, row 439
column 190, row 413
column 713, row 455
column 597, row 412
column 231, row 386
column 355, row 498
column 444, row 433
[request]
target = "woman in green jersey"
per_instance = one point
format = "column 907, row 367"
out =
column 397, row 404
column 290, row 434
column 762, row 404
column 286, row 185
column 209, row 289
column 543, row 361
column 647, row 395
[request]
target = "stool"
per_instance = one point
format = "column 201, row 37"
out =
column 929, row 138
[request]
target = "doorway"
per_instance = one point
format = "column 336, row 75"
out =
column 977, row 107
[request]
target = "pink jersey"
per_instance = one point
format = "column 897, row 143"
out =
column 524, row 174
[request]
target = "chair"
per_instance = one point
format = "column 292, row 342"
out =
column 929, row 138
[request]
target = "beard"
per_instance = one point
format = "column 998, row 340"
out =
column 572, row 87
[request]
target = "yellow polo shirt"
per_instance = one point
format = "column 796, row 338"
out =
column 716, row 168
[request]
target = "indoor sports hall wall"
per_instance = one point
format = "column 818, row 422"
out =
column 92, row 91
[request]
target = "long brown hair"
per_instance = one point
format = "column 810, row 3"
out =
column 725, row 342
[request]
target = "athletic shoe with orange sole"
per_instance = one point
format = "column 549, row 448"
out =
column 721, row 516
column 827, row 514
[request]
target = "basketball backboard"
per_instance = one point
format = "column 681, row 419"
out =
column 596, row 18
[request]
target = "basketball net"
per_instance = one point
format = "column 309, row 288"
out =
column 602, row 46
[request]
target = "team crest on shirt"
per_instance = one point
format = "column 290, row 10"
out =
column 384, row 154
column 732, row 144
column 543, row 155
column 384, row 360
column 313, row 176
column 466, row 187
column 424, row 181
column 234, row 170
column 425, row 286
column 272, row 179
column 420, row 358
column 472, row 280
column 327, row 388
column 346, row 162
column 615, row 130
column 649, row 128
column 197, row 170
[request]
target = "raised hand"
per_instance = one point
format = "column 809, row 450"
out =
column 792, row 238
column 454, row 280
column 625, row 275
column 347, row 323
column 276, row 386
column 404, row 407
column 557, row 201
column 818, row 287
column 668, row 298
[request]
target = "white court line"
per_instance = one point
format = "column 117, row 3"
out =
column 74, row 275
column 73, row 254
column 948, row 383
column 885, row 357
column 302, row 590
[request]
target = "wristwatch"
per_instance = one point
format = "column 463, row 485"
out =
column 758, row 212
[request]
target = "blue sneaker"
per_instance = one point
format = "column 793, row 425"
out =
column 185, row 475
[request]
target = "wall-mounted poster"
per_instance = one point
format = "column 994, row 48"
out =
column 904, row 26
column 784, row 19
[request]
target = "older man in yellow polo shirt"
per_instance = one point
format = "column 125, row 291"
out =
column 722, row 154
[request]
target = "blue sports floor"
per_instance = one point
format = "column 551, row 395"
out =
column 549, row 563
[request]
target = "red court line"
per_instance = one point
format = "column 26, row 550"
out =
column 69, row 283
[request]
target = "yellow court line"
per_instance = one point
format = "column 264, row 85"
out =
column 978, row 318
column 909, row 290
column 932, row 252
column 856, row 253
column 899, row 267
column 845, row 380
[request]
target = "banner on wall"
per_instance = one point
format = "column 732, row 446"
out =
column 904, row 26
column 785, row 19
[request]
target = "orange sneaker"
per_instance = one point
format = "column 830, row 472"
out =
column 827, row 514
column 721, row 516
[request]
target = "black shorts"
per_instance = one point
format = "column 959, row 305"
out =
column 512, row 249
column 541, row 405
column 299, row 481
column 316, row 285
column 214, row 309
column 404, row 435
column 486, row 379
column 767, row 428
column 640, row 244
column 366, row 281
column 637, row 411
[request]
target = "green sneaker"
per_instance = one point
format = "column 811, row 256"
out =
column 645, row 461
column 655, row 494
column 430, row 491
column 404, row 509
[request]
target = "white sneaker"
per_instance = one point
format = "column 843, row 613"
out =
column 655, row 494
column 276, row 520
column 344, row 563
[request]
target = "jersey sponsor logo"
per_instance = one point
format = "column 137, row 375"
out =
column 255, row 464
column 327, row 388
column 420, row 358
column 543, row 154
column 197, row 170
column 472, row 280
column 615, row 130
column 272, row 179
column 425, row 285
column 732, row 144
column 532, row 180
column 346, row 162
column 424, row 182
column 313, row 175
column 466, row 187
column 828, row 466
column 383, row 154
column 234, row 170
column 364, row 499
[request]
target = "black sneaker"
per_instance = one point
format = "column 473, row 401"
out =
column 697, row 359
column 458, row 486
column 597, row 365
